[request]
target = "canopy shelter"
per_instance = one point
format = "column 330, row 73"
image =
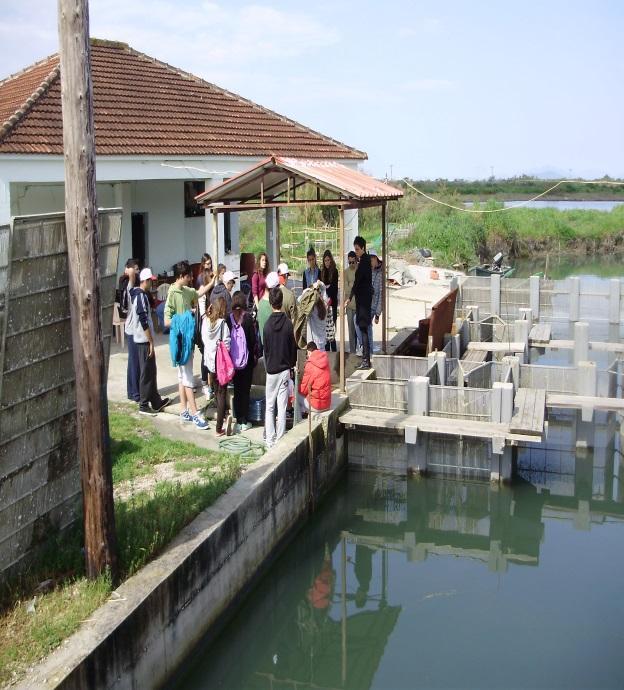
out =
column 273, row 184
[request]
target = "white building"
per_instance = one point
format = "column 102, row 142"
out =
column 162, row 136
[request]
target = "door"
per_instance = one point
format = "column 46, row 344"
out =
column 139, row 238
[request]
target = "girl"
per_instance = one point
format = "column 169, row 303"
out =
column 206, row 273
column 242, row 331
column 214, row 329
column 258, row 280
column 329, row 277
column 206, row 277
column 311, row 274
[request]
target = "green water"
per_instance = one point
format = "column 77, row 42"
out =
column 433, row 583
column 562, row 266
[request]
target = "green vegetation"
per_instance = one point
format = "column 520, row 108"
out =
column 33, row 624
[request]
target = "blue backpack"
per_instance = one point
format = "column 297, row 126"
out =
column 238, row 345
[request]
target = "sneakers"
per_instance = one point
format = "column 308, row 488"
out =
column 199, row 422
column 207, row 391
column 228, row 425
column 365, row 364
column 245, row 426
column 220, row 433
column 148, row 411
column 186, row 416
column 163, row 404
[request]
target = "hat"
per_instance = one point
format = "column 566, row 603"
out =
column 227, row 276
column 146, row 274
column 272, row 280
column 372, row 252
column 282, row 270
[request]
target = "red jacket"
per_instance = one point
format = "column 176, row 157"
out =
column 317, row 377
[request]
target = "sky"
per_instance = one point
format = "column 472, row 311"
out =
column 448, row 89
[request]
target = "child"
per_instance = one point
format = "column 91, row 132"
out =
column 315, row 386
column 242, row 333
column 181, row 298
column 214, row 330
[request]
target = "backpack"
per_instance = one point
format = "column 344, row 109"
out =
column 238, row 345
column 258, row 348
column 122, row 298
column 224, row 366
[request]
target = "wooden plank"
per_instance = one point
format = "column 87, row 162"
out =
column 593, row 345
column 540, row 333
column 529, row 407
column 475, row 356
column 496, row 347
column 580, row 401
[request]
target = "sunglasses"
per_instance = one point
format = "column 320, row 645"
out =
column 351, row 263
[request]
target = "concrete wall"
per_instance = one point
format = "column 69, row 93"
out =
column 39, row 479
column 171, row 604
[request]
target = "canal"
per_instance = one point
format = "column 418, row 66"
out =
column 401, row 582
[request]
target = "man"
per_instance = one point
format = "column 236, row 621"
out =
column 141, row 328
column 377, row 303
column 224, row 289
column 362, row 290
column 280, row 356
column 349, row 278
column 289, row 305
column 181, row 298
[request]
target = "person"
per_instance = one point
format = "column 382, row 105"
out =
column 377, row 302
column 349, row 278
column 316, row 326
column 223, row 288
column 280, row 356
column 264, row 306
column 258, row 280
column 206, row 277
column 139, row 323
column 181, row 298
column 329, row 277
column 289, row 304
column 126, row 284
column 362, row 290
column 315, row 386
column 311, row 273
column 243, row 333
column 215, row 329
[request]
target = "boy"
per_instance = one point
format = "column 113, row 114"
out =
column 180, row 299
column 280, row 356
column 141, row 329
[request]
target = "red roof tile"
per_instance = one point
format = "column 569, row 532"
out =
column 143, row 106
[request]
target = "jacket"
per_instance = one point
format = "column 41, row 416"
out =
column 310, row 276
column 362, row 288
column 280, row 349
column 376, row 303
column 179, row 300
column 307, row 300
column 289, row 304
column 211, row 336
column 219, row 290
column 349, row 279
column 139, row 317
column 317, row 378
column 181, row 337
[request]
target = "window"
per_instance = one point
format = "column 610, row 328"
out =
column 191, row 190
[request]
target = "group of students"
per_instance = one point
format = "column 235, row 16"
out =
column 233, row 334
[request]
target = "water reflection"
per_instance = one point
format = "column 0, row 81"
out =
column 401, row 582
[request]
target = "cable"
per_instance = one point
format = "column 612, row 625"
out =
column 507, row 208
column 245, row 448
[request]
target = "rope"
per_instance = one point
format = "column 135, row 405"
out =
column 507, row 208
column 245, row 448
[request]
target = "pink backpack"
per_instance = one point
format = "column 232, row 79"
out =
column 225, row 368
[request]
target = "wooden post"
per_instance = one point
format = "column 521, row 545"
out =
column 276, row 230
column 384, row 282
column 84, row 288
column 341, row 299
column 215, row 238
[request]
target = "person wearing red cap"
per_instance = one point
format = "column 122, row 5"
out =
column 142, row 329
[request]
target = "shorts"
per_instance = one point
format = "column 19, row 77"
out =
column 185, row 373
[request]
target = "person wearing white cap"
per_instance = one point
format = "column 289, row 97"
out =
column 224, row 289
column 289, row 303
column 142, row 330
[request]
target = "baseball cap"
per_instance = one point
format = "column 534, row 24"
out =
column 372, row 252
column 227, row 276
column 146, row 274
column 272, row 280
column 282, row 270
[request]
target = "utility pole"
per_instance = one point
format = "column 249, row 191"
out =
column 84, row 287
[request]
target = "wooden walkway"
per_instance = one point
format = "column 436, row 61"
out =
column 529, row 410
column 578, row 402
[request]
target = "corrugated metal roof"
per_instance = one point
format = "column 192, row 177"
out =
column 270, row 177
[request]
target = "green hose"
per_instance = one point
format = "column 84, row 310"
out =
column 243, row 447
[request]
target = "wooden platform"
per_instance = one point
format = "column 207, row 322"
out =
column 507, row 346
column 529, row 410
column 376, row 419
column 540, row 334
column 578, row 402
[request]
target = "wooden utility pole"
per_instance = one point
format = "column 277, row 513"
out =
column 84, row 287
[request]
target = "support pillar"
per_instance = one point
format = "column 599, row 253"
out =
column 526, row 315
column 495, row 293
column 271, row 237
column 574, row 287
column 521, row 335
column 534, row 296
column 384, row 282
column 123, row 199
column 440, row 359
column 341, row 298
column 418, row 395
column 5, row 202
column 614, row 300
column 581, row 342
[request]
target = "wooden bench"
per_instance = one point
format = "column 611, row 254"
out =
column 529, row 411
column 429, row 335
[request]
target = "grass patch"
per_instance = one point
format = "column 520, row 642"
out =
column 146, row 523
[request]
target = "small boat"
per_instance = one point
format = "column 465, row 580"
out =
column 495, row 268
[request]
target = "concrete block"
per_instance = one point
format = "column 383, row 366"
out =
column 526, row 315
column 614, row 300
column 581, row 342
column 534, row 295
column 574, row 287
column 506, row 400
column 418, row 395
column 496, row 403
column 495, row 293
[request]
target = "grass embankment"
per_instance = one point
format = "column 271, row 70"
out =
column 34, row 623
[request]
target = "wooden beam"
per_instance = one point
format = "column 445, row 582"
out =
column 215, row 238
column 275, row 204
column 81, row 223
column 341, row 299
column 276, row 230
column 384, row 282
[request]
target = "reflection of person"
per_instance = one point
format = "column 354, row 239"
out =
column 363, row 572
column 320, row 594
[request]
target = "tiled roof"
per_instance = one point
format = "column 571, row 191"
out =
column 143, row 106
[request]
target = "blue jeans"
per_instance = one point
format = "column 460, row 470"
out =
column 134, row 370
